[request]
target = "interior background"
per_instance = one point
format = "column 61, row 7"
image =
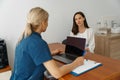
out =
column 13, row 17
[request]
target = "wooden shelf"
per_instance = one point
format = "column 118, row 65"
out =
column 108, row 45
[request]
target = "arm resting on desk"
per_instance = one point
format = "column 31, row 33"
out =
column 57, row 71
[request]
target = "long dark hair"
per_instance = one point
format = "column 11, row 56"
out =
column 75, row 26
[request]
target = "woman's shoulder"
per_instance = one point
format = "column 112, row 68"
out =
column 71, row 33
column 90, row 29
column 36, row 39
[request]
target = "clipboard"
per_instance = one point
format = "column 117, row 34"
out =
column 87, row 66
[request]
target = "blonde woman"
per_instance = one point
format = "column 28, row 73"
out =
column 32, row 55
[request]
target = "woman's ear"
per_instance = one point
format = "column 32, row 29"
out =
column 44, row 25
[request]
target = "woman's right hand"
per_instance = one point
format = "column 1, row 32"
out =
column 79, row 61
column 57, row 51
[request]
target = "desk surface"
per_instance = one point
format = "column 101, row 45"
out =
column 109, row 69
column 7, row 68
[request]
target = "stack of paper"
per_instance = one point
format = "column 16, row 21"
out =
column 88, row 65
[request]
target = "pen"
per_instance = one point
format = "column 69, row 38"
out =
column 95, row 62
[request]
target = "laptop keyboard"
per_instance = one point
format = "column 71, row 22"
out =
column 62, row 59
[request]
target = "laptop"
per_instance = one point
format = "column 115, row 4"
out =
column 74, row 47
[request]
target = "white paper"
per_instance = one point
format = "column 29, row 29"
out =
column 88, row 64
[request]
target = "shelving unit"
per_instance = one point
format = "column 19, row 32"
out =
column 108, row 45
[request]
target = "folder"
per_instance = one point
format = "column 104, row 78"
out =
column 87, row 66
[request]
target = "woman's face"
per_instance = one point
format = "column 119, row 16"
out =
column 44, row 25
column 79, row 20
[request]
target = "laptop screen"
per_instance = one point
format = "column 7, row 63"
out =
column 77, row 42
column 73, row 51
column 75, row 46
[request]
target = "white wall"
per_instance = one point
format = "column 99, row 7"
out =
column 13, row 17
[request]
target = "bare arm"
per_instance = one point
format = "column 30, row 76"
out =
column 58, row 72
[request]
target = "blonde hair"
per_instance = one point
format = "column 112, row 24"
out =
column 34, row 18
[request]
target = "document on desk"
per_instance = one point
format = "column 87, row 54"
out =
column 88, row 65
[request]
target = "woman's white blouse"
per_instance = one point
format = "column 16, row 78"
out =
column 89, row 36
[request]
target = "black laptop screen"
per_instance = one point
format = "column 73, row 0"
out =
column 73, row 51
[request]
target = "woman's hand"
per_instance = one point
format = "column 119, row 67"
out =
column 79, row 61
column 87, row 49
column 57, row 51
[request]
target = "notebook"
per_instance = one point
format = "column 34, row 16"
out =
column 74, row 47
column 87, row 66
